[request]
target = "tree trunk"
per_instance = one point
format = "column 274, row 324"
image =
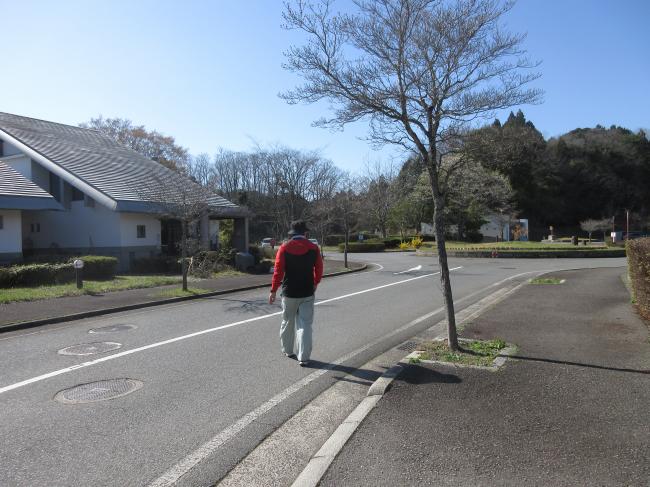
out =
column 439, row 230
column 184, row 253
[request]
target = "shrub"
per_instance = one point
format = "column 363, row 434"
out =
column 416, row 242
column 363, row 247
column 156, row 265
column 98, row 266
column 334, row 239
column 36, row 275
column 205, row 263
column 638, row 255
column 392, row 243
column 404, row 245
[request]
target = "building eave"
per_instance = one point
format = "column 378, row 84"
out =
column 53, row 167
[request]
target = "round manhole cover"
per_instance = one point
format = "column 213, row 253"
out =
column 90, row 348
column 112, row 328
column 98, row 391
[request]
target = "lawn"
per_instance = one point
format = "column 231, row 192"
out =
column 515, row 245
column 472, row 352
column 120, row 283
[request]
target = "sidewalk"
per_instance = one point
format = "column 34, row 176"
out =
column 573, row 408
column 58, row 308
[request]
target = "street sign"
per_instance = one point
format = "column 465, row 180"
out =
column 78, row 264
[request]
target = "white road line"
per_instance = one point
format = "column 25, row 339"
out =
column 408, row 270
column 90, row 363
column 171, row 476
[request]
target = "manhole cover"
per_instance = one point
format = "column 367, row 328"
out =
column 90, row 348
column 112, row 329
column 408, row 346
column 98, row 391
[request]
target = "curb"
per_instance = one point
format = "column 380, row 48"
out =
column 530, row 254
column 318, row 465
column 117, row 309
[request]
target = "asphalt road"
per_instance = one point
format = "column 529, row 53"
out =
column 213, row 381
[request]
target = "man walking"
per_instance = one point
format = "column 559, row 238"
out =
column 298, row 269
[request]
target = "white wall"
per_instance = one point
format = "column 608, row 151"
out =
column 11, row 233
column 80, row 226
column 23, row 164
column 129, row 229
column 8, row 149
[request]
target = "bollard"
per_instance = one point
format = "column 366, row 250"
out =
column 78, row 272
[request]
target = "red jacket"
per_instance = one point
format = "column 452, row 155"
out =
column 298, row 268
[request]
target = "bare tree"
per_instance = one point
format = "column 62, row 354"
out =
column 592, row 225
column 419, row 70
column 151, row 144
column 380, row 195
column 175, row 197
column 347, row 209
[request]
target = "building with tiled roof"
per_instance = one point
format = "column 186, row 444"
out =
column 75, row 190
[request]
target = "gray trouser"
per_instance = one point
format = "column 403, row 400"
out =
column 297, row 318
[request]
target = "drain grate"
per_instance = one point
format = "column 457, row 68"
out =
column 90, row 348
column 98, row 391
column 409, row 346
column 112, row 328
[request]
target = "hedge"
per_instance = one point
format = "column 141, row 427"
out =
column 36, row 275
column 32, row 275
column 98, row 267
column 363, row 247
column 638, row 258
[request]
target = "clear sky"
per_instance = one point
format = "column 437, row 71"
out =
column 208, row 72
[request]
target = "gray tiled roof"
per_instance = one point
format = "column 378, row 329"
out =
column 117, row 171
column 18, row 192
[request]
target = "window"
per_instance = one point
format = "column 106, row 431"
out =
column 2, row 223
column 77, row 195
column 142, row 231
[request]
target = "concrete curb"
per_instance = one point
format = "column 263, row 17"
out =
column 530, row 254
column 321, row 461
column 148, row 304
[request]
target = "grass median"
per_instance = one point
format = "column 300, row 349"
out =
column 120, row 283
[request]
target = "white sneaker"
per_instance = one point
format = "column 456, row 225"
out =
column 303, row 363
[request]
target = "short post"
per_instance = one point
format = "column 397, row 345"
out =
column 78, row 272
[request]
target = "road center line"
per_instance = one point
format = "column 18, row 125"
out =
column 107, row 358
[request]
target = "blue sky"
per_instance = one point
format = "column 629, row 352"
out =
column 208, row 72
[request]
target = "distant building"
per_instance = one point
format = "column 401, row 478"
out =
column 65, row 189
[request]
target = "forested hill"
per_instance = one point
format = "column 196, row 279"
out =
column 587, row 173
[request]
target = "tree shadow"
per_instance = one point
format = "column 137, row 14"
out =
column 417, row 374
column 579, row 364
column 412, row 374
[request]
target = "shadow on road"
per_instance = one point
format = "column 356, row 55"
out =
column 578, row 364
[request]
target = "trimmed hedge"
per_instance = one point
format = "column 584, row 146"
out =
column 36, row 275
column 363, row 247
column 638, row 258
column 98, row 267
column 33, row 275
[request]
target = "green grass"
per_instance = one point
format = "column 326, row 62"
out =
column 473, row 352
column 546, row 280
column 515, row 245
column 120, row 283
